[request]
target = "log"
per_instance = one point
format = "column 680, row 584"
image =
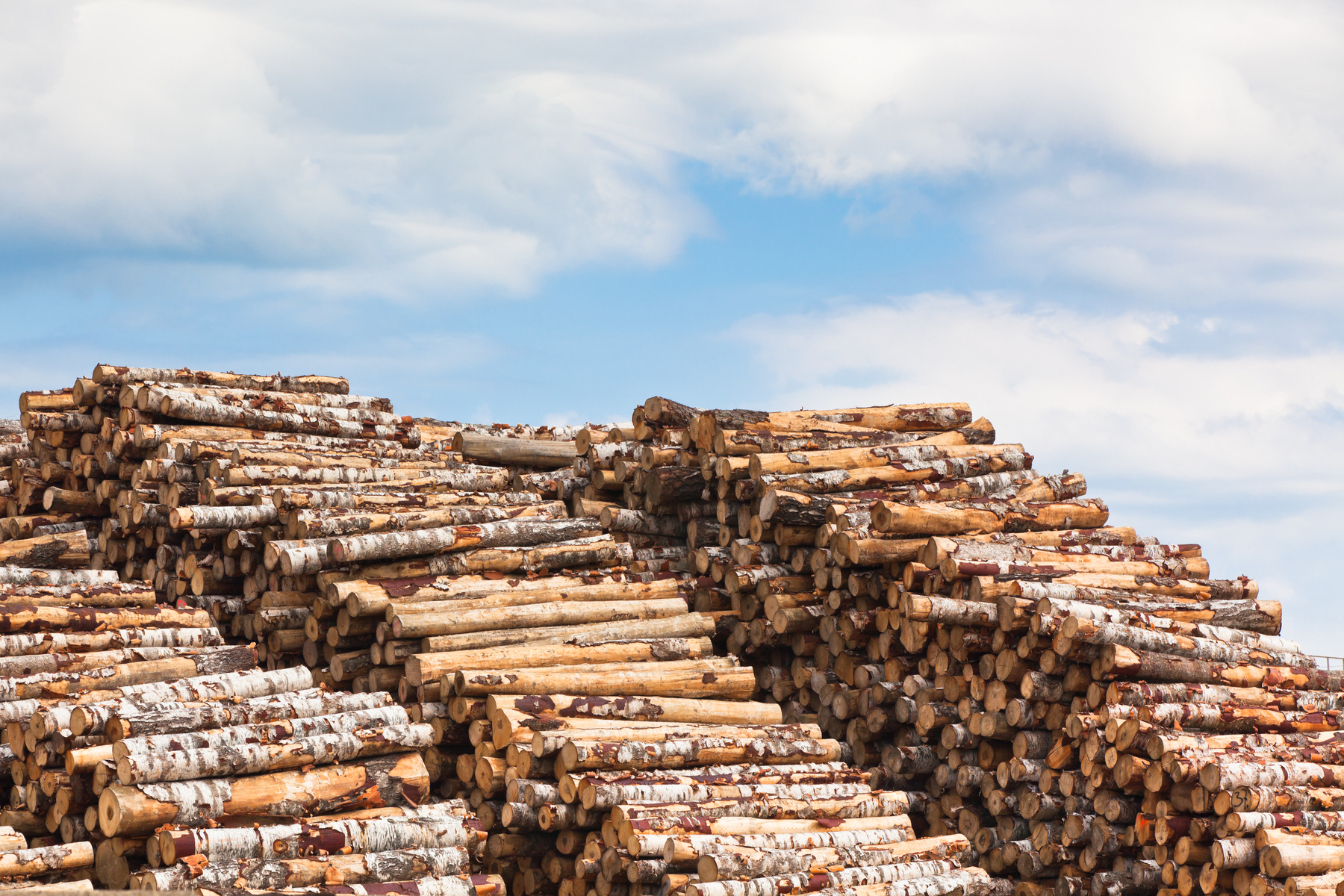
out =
column 254, row 758
column 217, row 661
column 701, row 751
column 198, row 517
column 514, row 452
column 663, row 709
column 270, row 732
column 28, row 618
column 61, row 549
column 364, row 835
column 688, row 679
column 503, row 533
column 957, row 518
column 547, row 614
column 44, row 860
column 112, row 375
column 118, row 639
column 365, row 784
column 689, row 625
column 747, row 864
column 423, row 668
column 251, row 711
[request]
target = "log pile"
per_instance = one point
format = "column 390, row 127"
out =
column 703, row 652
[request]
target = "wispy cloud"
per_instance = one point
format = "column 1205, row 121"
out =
column 419, row 150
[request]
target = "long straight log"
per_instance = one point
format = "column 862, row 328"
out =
column 47, row 663
column 701, row 751
column 113, row 375
column 514, row 452
column 366, row 598
column 27, row 618
column 959, row 518
column 44, row 860
column 548, row 614
column 503, row 533
column 651, row 709
column 330, row 524
column 100, row 596
column 747, row 864
column 690, row 625
column 364, row 784
column 311, row 871
column 222, row 845
column 269, row 732
column 807, row 881
column 117, row 639
column 688, row 679
column 311, row 421
column 200, row 517
column 217, row 661
column 872, row 805
column 1087, row 631
column 254, row 758
column 15, row 575
column 249, row 711
column 427, row 667
column 1120, row 661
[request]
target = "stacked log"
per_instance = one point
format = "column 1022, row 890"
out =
column 1075, row 699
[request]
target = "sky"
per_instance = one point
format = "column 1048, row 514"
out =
column 1115, row 230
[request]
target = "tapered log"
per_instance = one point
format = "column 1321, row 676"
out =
column 548, row 614
column 514, row 452
column 363, row 784
column 217, row 661
column 689, row 679
column 26, row 618
column 747, row 864
column 61, row 549
column 510, row 533
column 690, row 625
column 44, row 860
column 112, row 375
column 661, row 709
column 222, row 845
column 955, row 518
column 426, row 667
column 270, row 732
column 253, row 711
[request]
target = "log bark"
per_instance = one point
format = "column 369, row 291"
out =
column 921, row 460
column 1087, row 631
column 808, row 881
column 308, row 420
column 330, row 524
column 200, row 517
column 119, row 639
column 1125, row 662
column 19, row 576
column 365, row 784
column 364, row 598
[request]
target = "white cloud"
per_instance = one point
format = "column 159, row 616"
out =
column 414, row 148
column 1238, row 450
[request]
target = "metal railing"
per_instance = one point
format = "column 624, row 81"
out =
column 1337, row 660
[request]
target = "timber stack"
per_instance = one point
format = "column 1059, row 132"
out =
column 1086, row 705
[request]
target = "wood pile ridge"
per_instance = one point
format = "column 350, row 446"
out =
column 270, row 636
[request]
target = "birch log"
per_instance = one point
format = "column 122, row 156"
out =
column 365, row 784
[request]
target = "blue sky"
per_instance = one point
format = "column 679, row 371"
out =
column 1114, row 231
